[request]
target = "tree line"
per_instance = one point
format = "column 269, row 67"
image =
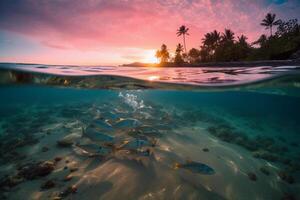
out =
column 225, row 46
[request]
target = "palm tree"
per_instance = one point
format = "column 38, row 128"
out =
column 243, row 40
column 163, row 54
column 228, row 36
column 270, row 21
column 183, row 30
column 179, row 48
column 261, row 41
column 216, row 38
column 178, row 57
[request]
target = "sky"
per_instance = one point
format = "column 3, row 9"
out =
column 112, row 32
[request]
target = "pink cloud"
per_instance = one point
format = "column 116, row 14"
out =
column 93, row 25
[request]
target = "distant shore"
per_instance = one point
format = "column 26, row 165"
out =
column 273, row 63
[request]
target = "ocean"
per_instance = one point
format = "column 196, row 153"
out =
column 94, row 132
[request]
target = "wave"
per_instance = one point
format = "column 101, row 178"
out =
column 278, row 80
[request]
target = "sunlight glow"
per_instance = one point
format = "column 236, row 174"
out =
column 149, row 57
column 153, row 78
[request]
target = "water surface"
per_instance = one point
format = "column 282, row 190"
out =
column 137, row 133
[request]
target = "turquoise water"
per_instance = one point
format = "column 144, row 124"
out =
column 108, row 137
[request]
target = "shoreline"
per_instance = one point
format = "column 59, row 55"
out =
column 273, row 63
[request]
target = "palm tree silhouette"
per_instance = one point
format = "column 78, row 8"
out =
column 179, row 48
column 242, row 39
column 269, row 21
column 228, row 36
column 261, row 41
column 212, row 39
column 183, row 30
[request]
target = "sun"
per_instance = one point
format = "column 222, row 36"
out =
column 149, row 57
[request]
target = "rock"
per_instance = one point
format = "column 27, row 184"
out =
column 64, row 143
column 286, row 177
column 45, row 149
column 69, row 190
column 264, row 170
column 73, row 169
column 48, row 185
column 8, row 182
column 68, row 178
column 205, row 149
column 57, row 159
column 33, row 170
column 265, row 155
column 252, row 176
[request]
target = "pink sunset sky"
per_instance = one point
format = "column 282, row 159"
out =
column 110, row 32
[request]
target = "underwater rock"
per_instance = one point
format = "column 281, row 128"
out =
column 10, row 181
column 277, row 149
column 286, row 177
column 33, row 170
column 69, row 190
column 205, row 149
column 48, row 185
column 68, row 178
column 264, row 141
column 45, row 149
column 264, row 170
column 57, row 159
column 64, row 143
column 252, row 176
column 265, row 155
column 196, row 167
column 11, row 156
column 73, row 169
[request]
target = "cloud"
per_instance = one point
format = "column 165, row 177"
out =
column 95, row 24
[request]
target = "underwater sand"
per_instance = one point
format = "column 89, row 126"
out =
column 236, row 133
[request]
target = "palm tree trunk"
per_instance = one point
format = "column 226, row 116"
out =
column 184, row 43
column 271, row 30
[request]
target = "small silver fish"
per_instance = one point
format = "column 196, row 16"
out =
column 135, row 144
column 97, row 136
column 94, row 149
column 196, row 167
column 101, row 125
column 127, row 123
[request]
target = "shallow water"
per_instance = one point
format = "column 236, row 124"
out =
column 159, row 140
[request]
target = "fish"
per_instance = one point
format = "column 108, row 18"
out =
column 196, row 167
column 92, row 149
column 135, row 144
column 97, row 136
column 101, row 125
column 127, row 123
